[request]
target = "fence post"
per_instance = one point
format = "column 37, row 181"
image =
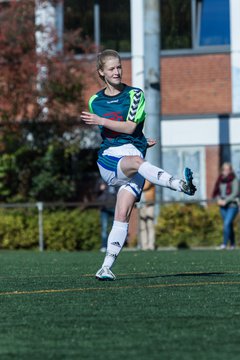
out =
column 40, row 225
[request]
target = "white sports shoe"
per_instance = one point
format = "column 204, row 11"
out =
column 222, row 247
column 105, row 274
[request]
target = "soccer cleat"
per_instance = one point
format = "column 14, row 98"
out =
column 105, row 274
column 187, row 185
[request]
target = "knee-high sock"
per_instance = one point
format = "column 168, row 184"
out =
column 116, row 240
column 158, row 176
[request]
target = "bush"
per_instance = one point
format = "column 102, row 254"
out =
column 189, row 225
column 18, row 229
column 63, row 229
column 72, row 229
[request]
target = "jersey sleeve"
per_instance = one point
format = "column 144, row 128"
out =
column 137, row 106
column 90, row 102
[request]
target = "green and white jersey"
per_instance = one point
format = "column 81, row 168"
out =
column 129, row 105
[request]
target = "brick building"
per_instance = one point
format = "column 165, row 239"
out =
column 200, row 73
column 200, row 97
column 200, row 88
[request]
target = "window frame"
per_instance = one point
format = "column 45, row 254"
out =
column 195, row 32
column 199, row 7
column 196, row 6
column 201, row 149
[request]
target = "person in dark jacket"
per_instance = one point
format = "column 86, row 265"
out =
column 226, row 193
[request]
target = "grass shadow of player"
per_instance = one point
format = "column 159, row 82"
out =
column 189, row 274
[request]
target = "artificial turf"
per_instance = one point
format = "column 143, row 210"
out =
column 164, row 305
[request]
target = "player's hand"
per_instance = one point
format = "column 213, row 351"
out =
column 151, row 142
column 221, row 202
column 91, row 119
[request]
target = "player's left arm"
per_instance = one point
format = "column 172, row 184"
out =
column 234, row 192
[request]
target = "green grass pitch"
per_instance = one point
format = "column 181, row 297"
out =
column 164, row 305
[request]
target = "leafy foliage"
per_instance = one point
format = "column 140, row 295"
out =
column 186, row 225
column 45, row 162
column 63, row 229
column 19, row 91
column 40, row 160
column 18, row 229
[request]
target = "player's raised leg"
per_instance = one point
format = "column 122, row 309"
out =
column 157, row 176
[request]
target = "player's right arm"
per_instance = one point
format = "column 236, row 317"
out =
column 126, row 127
column 136, row 114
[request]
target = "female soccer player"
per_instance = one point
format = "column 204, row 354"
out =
column 118, row 110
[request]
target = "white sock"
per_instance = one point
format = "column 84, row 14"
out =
column 158, row 176
column 116, row 240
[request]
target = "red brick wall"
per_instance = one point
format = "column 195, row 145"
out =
column 199, row 84
column 196, row 84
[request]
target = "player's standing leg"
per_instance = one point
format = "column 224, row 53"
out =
column 118, row 233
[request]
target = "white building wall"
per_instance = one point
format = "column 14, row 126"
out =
column 190, row 132
column 234, row 130
column 235, row 53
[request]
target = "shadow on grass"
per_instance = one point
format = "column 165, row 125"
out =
column 200, row 274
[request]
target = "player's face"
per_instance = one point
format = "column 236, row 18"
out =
column 112, row 71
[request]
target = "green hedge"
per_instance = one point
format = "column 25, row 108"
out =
column 179, row 225
column 63, row 229
column 190, row 225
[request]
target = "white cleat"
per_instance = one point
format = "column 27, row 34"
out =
column 105, row 274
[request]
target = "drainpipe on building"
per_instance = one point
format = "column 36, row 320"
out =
column 152, row 86
column 97, row 29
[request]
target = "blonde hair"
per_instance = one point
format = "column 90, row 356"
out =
column 226, row 163
column 102, row 58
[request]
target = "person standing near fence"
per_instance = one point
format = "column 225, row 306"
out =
column 107, row 198
column 226, row 193
column 119, row 111
column 146, row 217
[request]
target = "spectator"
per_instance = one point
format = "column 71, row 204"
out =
column 226, row 192
column 146, row 218
column 107, row 198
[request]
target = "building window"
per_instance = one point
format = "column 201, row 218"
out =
column 185, row 24
column 4, row 4
column 114, row 21
column 174, row 161
column 194, row 24
column 115, row 25
column 176, row 32
column 214, row 27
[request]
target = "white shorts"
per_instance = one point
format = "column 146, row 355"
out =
column 109, row 164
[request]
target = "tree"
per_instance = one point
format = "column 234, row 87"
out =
column 18, row 61
column 39, row 160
